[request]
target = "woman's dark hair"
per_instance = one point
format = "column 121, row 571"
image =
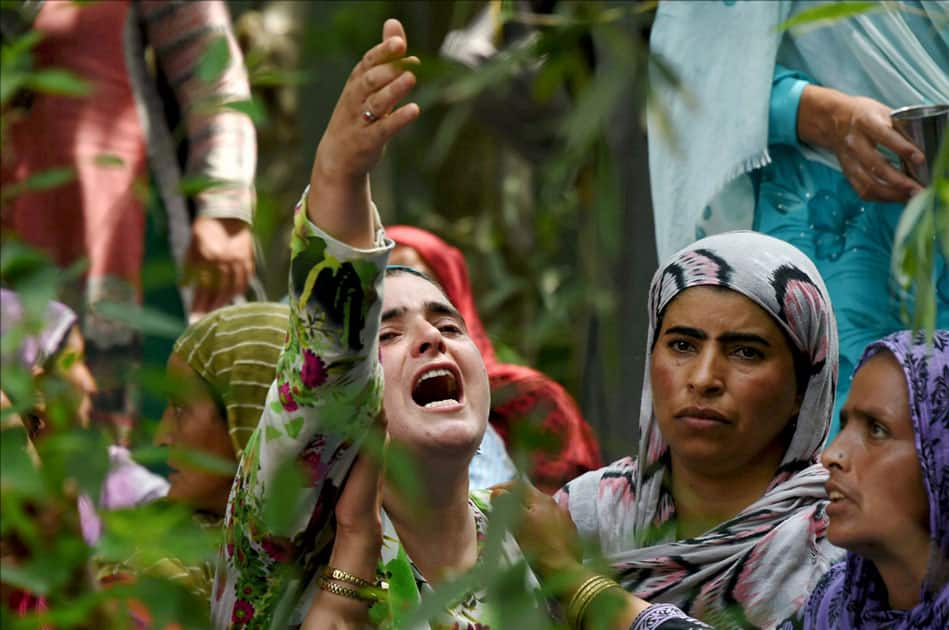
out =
column 394, row 270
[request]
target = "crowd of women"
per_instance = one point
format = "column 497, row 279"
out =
column 734, row 512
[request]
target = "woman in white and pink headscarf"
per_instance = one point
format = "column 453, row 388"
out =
column 722, row 514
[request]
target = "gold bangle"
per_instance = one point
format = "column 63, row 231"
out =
column 337, row 589
column 590, row 589
column 368, row 593
column 344, row 576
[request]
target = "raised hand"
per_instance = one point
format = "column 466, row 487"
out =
column 365, row 118
column 852, row 127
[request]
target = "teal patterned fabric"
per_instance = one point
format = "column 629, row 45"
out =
column 813, row 207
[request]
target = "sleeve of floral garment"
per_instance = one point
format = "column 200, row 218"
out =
column 327, row 392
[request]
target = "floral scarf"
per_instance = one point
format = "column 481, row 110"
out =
column 518, row 392
column 852, row 595
column 757, row 568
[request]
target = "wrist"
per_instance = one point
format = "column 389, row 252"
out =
column 326, row 177
column 341, row 205
column 356, row 555
column 821, row 112
column 602, row 601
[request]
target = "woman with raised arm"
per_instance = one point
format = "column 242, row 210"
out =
column 519, row 394
column 329, row 390
column 723, row 512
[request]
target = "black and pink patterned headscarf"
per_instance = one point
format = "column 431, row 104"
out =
column 852, row 595
column 758, row 568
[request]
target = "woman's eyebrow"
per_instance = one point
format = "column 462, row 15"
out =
column 686, row 331
column 441, row 308
column 732, row 337
column 726, row 337
column 393, row 313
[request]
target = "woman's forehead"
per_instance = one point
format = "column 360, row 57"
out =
column 407, row 290
column 699, row 303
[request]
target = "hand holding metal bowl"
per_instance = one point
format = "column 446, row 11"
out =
column 924, row 126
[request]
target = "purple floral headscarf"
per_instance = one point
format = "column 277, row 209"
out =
column 34, row 350
column 852, row 595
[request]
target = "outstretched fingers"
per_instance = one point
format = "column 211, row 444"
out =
column 393, row 28
column 385, row 52
column 381, row 78
column 381, row 102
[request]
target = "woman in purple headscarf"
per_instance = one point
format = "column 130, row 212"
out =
column 889, row 492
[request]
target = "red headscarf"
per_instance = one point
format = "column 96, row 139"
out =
column 518, row 393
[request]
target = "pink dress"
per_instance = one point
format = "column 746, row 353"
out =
column 97, row 214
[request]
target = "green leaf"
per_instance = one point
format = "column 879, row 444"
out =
column 403, row 590
column 16, row 256
column 108, row 159
column 904, row 254
column 214, row 61
column 282, row 509
column 204, row 461
column 10, row 81
column 56, row 81
column 17, row 473
column 819, row 15
column 20, row 46
column 150, row 455
column 191, row 185
column 146, row 320
column 146, row 534
column 50, row 565
column 253, row 108
column 76, row 453
column 169, row 603
column 269, row 77
column 44, row 180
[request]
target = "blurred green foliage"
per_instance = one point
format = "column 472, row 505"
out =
column 536, row 209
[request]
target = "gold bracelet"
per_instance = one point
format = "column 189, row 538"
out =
column 368, row 593
column 337, row 589
column 590, row 589
column 344, row 576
